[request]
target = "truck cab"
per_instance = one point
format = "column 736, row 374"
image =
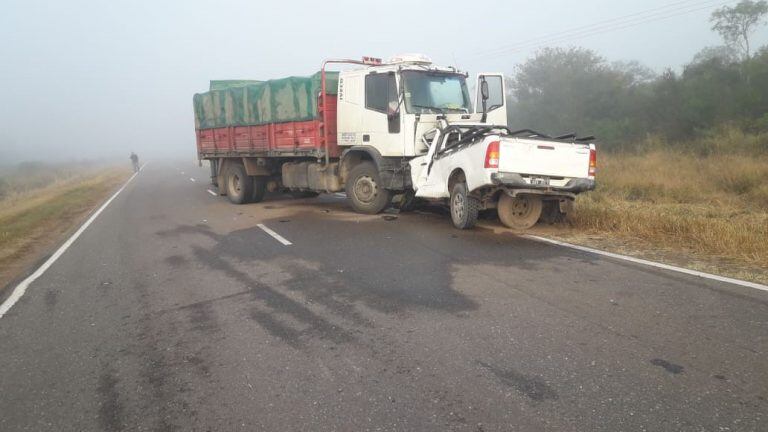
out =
column 390, row 106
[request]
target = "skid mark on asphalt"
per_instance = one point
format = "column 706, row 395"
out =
column 532, row 387
column 111, row 410
column 278, row 304
column 667, row 366
column 289, row 294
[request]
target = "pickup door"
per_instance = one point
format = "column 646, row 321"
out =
column 544, row 158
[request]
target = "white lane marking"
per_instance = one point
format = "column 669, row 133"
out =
column 341, row 195
column 212, row 193
column 191, row 179
column 652, row 263
column 277, row 236
column 21, row 288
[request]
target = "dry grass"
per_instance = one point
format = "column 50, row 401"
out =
column 711, row 206
column 33, row 220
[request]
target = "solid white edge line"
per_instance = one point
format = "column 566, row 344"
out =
column 212, row 193
column 277, row 236
column 21, row 288
column 754, row 285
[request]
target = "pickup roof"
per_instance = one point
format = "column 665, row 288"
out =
column 521, row 173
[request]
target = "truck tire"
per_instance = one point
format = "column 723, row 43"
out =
column 464, row 207
column 365, row 191
column 521, row 212
column 239, row 185
column 259, row 189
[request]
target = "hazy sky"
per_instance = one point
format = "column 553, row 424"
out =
column 86, row 79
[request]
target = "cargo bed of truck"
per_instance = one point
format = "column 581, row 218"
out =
column 298, row 138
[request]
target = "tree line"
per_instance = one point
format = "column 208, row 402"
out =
column 565, row 90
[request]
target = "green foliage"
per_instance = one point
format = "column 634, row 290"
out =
column 736, row 24
column 575, row 90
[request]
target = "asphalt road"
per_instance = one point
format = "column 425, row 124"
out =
column 175, row 311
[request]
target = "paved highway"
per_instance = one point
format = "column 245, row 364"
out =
column 176, row 311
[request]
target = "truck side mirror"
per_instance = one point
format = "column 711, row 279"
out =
column 393, row 120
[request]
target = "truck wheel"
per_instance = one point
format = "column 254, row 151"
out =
column 464, row 207
column 521, row 212
column 365, row 191
column 239, row 185
column 259, row 189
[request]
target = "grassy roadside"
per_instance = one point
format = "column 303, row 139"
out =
column 704, row 211
column 33, row 221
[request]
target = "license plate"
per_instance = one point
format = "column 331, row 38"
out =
column 540, row 181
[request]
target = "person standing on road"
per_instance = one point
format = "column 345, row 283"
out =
column 135, row 160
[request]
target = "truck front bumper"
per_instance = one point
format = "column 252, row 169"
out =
column 516, row 181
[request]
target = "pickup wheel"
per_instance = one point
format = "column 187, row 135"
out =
column 259, row 189
column 464, row 207
column 365, row 191
column 239, row 185
column 519, row 213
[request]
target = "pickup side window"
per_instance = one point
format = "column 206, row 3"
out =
column 380, row 92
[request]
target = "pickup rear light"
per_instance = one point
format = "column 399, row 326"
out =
column 592, row 162
column 492, row 155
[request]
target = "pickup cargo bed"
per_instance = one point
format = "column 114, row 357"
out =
column 543, row 158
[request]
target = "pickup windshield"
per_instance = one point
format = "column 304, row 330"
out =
column 428, row 92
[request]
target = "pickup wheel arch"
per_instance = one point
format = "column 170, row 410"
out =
column 456, row 176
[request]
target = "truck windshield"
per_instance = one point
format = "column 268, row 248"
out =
column 435, row 92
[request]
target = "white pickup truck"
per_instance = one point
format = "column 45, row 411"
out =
column 521, row 173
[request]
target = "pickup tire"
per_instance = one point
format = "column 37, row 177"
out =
column 239, row 185
column 259, row 189
column 464, row 207
column 365, row 191
column 521, row 212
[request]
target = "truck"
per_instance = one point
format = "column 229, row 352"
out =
column 376, row 130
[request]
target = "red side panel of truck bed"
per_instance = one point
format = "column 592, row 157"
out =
column 292, row 139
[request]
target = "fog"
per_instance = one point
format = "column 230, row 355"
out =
column 95, row 79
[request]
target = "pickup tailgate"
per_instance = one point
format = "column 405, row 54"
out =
column 544, row 158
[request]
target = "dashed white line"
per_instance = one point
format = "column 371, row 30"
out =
column 191, row 179
column 747, row 284
column 277, row 236
column 21, row 288
column 212, row 193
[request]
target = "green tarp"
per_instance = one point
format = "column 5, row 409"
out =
column 250, row 103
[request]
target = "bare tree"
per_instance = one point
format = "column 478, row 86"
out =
column 736, row 24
